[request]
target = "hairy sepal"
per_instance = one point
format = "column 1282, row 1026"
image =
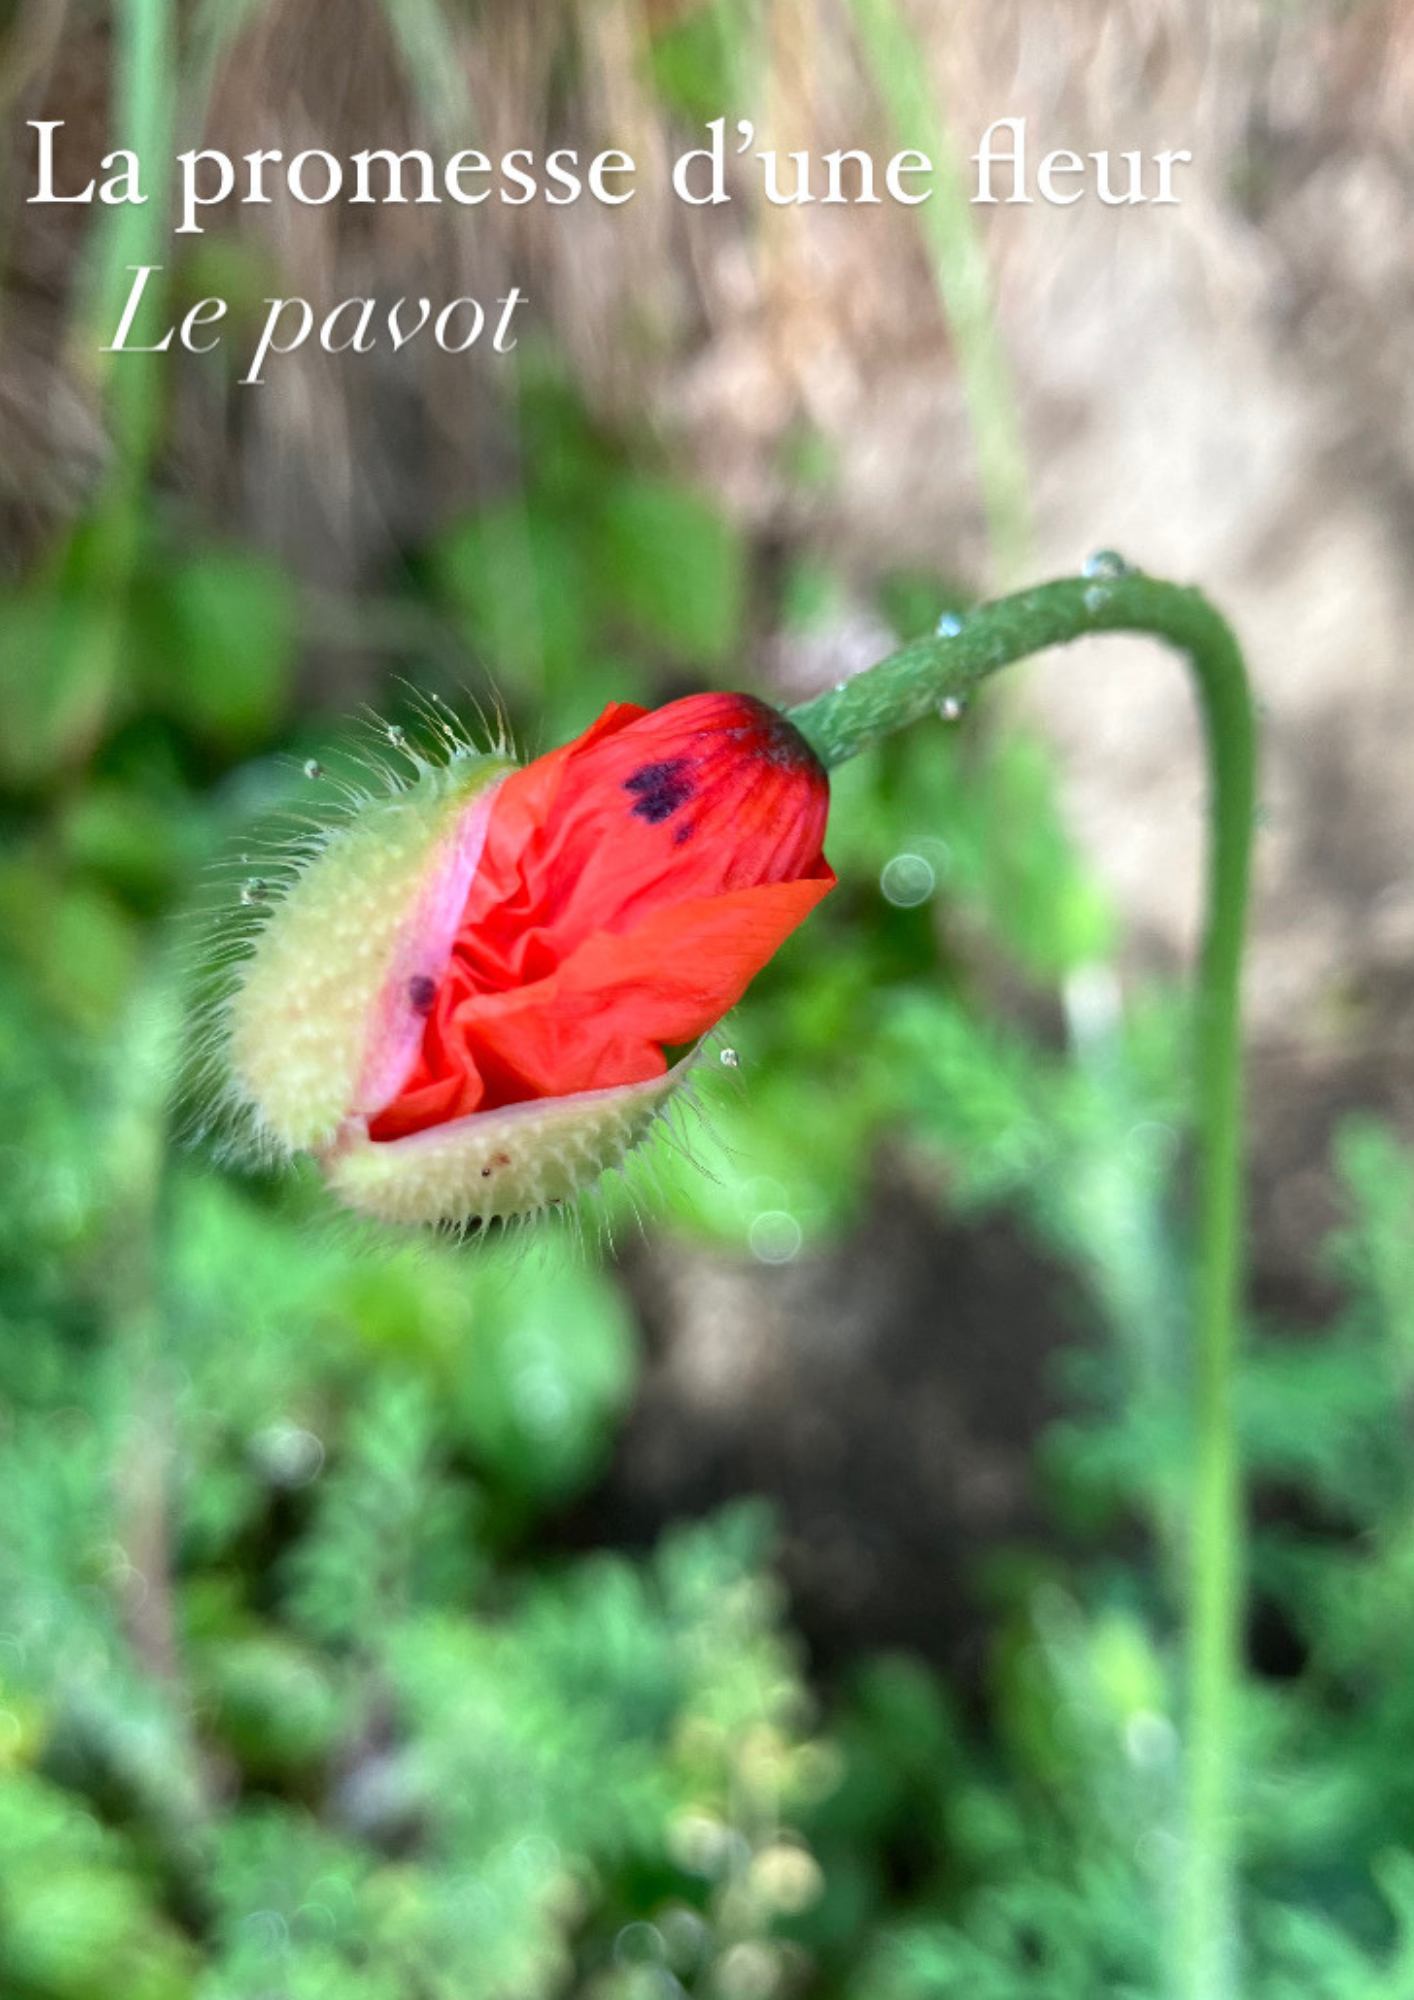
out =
column 323, row 1021
column 497, row 1165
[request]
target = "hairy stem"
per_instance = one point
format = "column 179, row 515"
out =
column 922, row 678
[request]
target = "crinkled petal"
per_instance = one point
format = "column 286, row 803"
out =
column 629, row 887
column 605, row 1016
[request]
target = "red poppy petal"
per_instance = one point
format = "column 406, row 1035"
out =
column 524, row 804
column 712, row 793
column 630, row 886
column 604, row 1017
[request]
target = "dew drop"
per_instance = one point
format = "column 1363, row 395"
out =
column 775, row 1237
column 686, row 1937
column 288, row 1455
column 542, row 1400
column 1096, row 597
column 313, row 768
column 1106, row 563
column 952, row 707
column 949, row 625
column 729, row 1059
column 908, row 880
column 639, row 1944
column 256, row 890
column 397, row 736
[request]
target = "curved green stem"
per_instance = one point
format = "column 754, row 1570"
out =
column 924, row 677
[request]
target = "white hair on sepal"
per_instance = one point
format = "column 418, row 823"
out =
column 641, row 1179
column 488, row 734
column 244, row 888
column 626, row 1191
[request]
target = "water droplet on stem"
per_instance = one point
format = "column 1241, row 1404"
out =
column 1107, row 563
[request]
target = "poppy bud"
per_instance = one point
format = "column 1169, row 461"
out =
column 467, row 1003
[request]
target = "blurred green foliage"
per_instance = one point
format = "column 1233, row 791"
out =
column 592, row 574
column 297, row 1699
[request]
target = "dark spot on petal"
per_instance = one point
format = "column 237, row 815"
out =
column 684, row 833
column 422, row 991
column 497, row 1160
column 660, row 789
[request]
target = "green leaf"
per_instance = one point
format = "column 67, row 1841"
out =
column 217, row 638
column 516, row 576
column 59, row 673
column 272, row 1702
column 674, row 568
column 550, row 1363
column 80, row 946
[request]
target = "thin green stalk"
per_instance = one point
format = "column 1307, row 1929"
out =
column 897, row 60
column 97, row 565
column 144, row 120
column 923, row 678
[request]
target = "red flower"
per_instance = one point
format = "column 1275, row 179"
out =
column 465, row 999
column 630, row 886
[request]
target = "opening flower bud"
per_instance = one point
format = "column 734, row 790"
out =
column 468, row 1005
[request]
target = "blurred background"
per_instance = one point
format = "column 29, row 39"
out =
column 777, row 1601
